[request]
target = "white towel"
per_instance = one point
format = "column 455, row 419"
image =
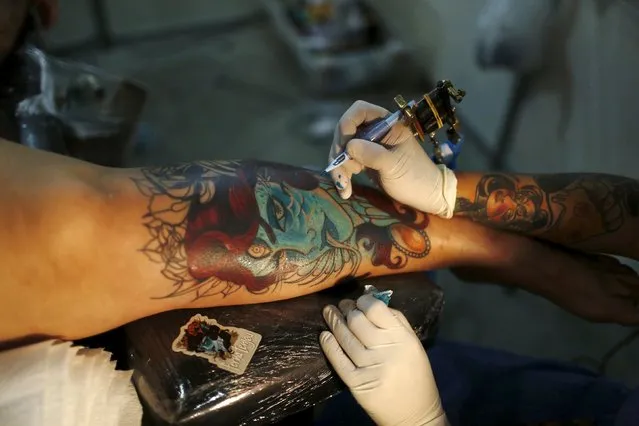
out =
column 55, row 383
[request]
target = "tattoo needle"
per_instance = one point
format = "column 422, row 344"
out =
column 373, row 132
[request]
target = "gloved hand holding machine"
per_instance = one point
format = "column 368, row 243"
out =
column 424, row 117
column 378, row 143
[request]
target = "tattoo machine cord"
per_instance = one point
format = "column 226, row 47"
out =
column 425, row 117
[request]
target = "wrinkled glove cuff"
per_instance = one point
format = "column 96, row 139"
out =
column 449, row 191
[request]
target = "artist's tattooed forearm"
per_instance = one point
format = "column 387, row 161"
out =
column 216, row 227
column 579, row 206
column 503, row 201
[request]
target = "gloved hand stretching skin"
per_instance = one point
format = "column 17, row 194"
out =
column 376, row 353
column 403, row 169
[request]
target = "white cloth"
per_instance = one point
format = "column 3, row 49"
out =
column 55, row 383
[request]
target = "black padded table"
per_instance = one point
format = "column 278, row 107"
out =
column 287, row 374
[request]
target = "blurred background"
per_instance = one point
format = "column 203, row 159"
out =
column 550, row 88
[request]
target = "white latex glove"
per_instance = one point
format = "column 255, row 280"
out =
column 376, row 353
column 404, row 169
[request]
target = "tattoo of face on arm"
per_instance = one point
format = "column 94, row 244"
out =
column 216, row 227
column 502, row 200
column 580, row 206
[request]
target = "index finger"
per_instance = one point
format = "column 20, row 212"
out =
column 357, row 114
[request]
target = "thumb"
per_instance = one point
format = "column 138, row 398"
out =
column 370, row 154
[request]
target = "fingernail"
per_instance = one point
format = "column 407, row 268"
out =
column 339, row 185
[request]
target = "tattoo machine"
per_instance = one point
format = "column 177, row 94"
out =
column 425, row 117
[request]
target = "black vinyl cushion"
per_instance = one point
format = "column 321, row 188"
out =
column 287, row 374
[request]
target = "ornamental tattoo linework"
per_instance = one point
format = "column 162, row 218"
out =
column 216, row 227
column 591, row 204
